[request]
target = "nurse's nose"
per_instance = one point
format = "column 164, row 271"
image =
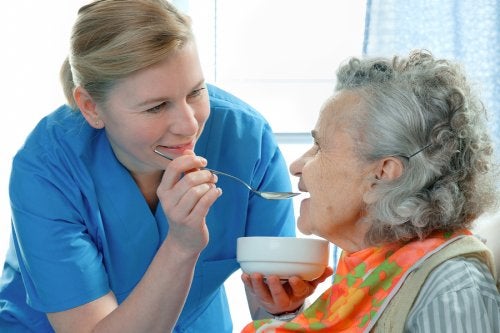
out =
column 185, row 122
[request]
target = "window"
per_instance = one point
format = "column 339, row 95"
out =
column 278, row 55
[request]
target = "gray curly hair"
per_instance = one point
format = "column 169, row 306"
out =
column 423, row 111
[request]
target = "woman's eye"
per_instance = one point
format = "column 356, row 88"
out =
column 316, row 147
column 158, row 108
column 312, row 151
column 196, row 92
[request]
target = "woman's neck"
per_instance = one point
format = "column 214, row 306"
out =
column 148, row 184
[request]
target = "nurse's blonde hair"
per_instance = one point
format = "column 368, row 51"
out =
column 112, row 39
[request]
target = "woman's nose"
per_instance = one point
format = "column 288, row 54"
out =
column 185, row 122
column 296, row 167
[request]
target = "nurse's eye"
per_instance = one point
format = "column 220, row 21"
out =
column 157, row 108
column 196, row 93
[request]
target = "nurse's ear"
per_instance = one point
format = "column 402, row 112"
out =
column 87, row 107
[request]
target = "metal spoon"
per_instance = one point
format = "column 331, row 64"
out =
column 263, row 194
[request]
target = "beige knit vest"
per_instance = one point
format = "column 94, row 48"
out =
column 394, row 316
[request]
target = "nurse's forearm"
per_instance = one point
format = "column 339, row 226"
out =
column 157, row 301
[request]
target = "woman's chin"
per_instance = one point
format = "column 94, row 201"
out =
column 302, row 220
column 303, row 226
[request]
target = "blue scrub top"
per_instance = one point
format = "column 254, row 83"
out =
column 81, row 226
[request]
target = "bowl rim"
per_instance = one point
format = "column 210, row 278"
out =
column 287, row 238
column 318, row 256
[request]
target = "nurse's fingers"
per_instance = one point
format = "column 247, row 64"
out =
column 194, row 204
column 191, row 231
column 180, row 200
column 180, row 176
column 180, row 166
column 203, row 204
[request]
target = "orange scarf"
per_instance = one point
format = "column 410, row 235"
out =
column 364, row 284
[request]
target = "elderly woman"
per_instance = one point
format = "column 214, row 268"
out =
column 400, row 168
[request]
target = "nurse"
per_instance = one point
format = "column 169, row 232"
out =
column 107, row 235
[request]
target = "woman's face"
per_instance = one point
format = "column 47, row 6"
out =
column 164, row 105
column 334, row 177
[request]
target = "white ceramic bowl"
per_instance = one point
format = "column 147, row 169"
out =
column 283, row 256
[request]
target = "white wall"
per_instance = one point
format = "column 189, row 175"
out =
column 34, row 37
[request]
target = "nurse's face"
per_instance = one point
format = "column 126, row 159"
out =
column 164, row 105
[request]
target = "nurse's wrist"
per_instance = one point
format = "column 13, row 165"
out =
column 171, row 245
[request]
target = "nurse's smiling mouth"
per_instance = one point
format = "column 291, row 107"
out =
column 174, row 150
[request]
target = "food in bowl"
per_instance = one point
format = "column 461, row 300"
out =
column 306, row 258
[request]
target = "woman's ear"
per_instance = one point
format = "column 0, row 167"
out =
column 87, row 107
column 389, row 168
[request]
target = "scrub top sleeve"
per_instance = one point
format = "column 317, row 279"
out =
column 58, row 259
column 271, row 217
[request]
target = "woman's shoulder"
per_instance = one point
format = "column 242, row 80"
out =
column 459, row 287
column 224, row 103
column 221, row 97
column 63, row 118
column 62, row 143
column 233, row 123
column 62, row 130
column 460, row 273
